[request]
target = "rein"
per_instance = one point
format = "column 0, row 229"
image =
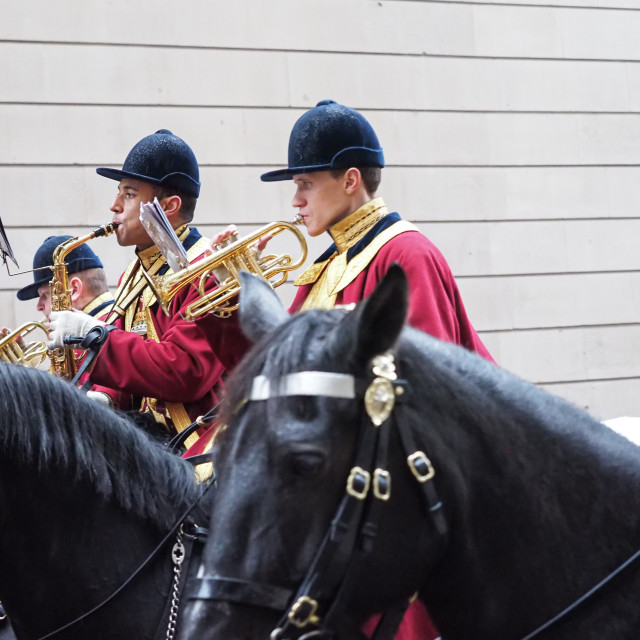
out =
column 582, row 599
column 332, row 576
column 177, row 528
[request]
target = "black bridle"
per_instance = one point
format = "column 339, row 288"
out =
column 317, row 608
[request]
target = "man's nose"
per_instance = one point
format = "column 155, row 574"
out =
column 116, row 205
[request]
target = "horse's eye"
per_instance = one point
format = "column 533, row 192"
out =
column 307, row 463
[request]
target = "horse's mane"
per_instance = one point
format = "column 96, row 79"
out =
column 47, row 423
column 481, row 391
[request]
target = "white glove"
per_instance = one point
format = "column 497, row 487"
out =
column 69, row 323
column 101, row 398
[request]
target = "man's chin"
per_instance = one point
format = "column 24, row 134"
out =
column 123, row 241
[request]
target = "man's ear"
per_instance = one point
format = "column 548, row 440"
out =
column 77, row 287
column 172, row 208
column 352, row 180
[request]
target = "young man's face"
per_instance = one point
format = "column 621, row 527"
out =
column 126, row 209
column 321, row 200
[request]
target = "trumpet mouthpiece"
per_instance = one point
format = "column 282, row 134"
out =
column 298, row 219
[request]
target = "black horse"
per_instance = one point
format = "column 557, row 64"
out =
column 499, row 504
column 85, row 499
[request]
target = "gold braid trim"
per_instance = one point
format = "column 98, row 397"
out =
column 96, row 302
column 176, row 410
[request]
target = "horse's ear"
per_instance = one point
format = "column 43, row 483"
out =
column 381, row 317
column 260, row 309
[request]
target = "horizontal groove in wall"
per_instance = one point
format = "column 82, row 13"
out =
column 380, row 53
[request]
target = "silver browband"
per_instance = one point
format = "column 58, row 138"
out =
column 304, row 383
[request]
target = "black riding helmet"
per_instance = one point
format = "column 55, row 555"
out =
column 329, row 136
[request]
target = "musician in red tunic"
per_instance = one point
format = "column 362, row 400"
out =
column 335, row 162
column 160, row 364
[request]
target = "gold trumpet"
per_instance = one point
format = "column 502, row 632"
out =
column 63, row 360
column 234, row 255
column 15, row 350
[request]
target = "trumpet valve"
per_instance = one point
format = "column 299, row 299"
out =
column 225, row 242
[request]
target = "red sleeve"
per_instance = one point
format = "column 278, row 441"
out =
column 121, row 399
column 432, row 302
column 183, row 367
column 435, row 304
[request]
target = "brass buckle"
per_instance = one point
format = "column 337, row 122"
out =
column 305, row 607
column 421, row 466
column 358, row 473
column 382, row 484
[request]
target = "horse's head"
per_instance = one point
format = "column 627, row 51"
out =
column 288, row 467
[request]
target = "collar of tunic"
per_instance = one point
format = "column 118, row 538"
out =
column 358, row 238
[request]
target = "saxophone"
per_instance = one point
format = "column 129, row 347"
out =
column 63, row 360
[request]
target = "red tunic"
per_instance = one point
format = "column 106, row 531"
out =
column 435, row 305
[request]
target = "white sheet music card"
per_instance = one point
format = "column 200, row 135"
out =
column 156, row 223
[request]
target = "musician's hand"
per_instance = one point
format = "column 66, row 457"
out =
column 263, row 242
column 219, row 238
column 216, row 240
column 18, row 339
column 69, row 323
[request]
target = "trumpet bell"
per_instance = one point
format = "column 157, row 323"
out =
column 14, row 349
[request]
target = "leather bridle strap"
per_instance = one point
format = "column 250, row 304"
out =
column 333, row 570
column 92, row 343
column 423, row 471
column 200, row 422
column 238, row 591
column 368, row 528
column 580, row 601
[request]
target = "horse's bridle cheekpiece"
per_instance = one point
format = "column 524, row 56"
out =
column 317, row 608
